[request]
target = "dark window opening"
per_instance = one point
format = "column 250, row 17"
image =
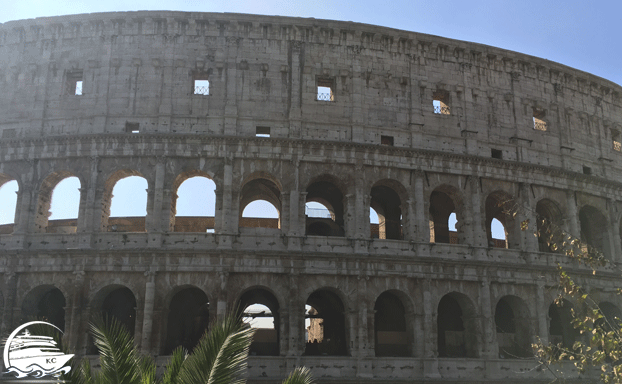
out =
column 390, row 326
column 496, row 153
column 262, row 131
column 561, row 330
column 45, row 303
column 386, row 203
column 451, row 341
column 261, row 312
column 442, row 223
column 325, row 325
column 587, row 170
column 324, row 210
column 132, row 127
column 188, row 319
column 511, row 322
column 201, row 86
column 386, row 140
column 325, row 89
column 74, row 83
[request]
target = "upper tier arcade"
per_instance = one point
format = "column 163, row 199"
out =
column 236, row 75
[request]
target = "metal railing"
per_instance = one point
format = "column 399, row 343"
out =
column 318, row 213
column 325, row 97
column 441, row 110
column 201, row 90
column 539, row 125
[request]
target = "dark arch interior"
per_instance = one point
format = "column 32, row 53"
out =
column 451, row 340
column 560, row 328
column 386, row 202
column 188, row 319
column 265, row 340
column 594, row 229
column 327, row 330
column 326, row 193
column 390, row 326
column 512, row 325
column 499, row 206
column 441, row 206
column 46, row 304
column 548, row 220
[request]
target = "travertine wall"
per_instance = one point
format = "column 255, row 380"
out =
column 139, row 68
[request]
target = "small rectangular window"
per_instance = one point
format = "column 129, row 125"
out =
column 496, row 153
column 538, row 120
column 201, row 87
column 440, row 102
column 132, row 127
column 386, row 140
column 262, row 131
column 325, row 90
column 74, row 83
column 587, row 170
column 616, row 140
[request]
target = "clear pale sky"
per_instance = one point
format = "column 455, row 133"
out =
column 581, row 34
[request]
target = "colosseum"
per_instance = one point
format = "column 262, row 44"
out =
column 434, row 135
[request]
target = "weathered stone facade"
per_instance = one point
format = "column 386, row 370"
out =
column 415, row 126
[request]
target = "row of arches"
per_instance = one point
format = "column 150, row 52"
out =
column 325, row 324
column 193, row 207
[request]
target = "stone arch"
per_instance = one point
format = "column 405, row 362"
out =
column 612, row 316
column 500, row 205
column 266, row 341
column 561, row 330
column 445, row 200
column 187, row 318
column 194, row 223
column 512, row 324
column 326, row 332
column 595, row 229
column 387, row 200
column 549, row 221
column 456, row 326
column 107, row 197
column 44, row 200
column 325, row 190
column 393, row 336
column 46, row 303
column 114, row 300
column 260, row 186
column 9, row 208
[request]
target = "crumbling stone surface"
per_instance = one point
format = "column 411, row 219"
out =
column 290, row 111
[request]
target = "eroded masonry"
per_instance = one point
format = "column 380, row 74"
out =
column 325, row 122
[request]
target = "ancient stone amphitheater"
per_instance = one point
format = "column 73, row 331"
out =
column 426, row 131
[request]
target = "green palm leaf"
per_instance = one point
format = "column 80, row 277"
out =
column 171, row 375
column 300, row 375
column 221, row 355
column 119, row 360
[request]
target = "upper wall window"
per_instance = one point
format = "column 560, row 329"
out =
column 325, row 89
column 440, row 101
column 538, row 119
column 615, row 138
column 201, row 86
column 262, row 131
column 73, row 83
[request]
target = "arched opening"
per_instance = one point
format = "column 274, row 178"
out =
column 374, row 224
column 124, row 203
column 188, row 319
column 387, row 205
column 561, row 330
column 442, row 207
column 261, row 312
column 456, row 327
column 499, row 206
column 325, row 325
column 331, row 198
column 115, row 302
column 8, row 200
column 45, row 303
column 260, row 204
column 595, row 229
column 390, row 326
column 612, row 317
column 549, row 219
column 64, row 206
column 512, row 325
column 194, row 205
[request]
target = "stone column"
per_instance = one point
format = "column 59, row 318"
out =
column 22, row 207
column 10, row 281
column 543, row 314
column 297, row 225
column 365, row 346
column 91, row 221
column 148, row 312
column 478, row 232
column 231, row 81
column 488, row 348
column 285, row 212
column 295, row 87
column 430, row 339
column 349, row 213
column 422, row 229
column 221, row 305
column 154, row 217
column 296, row 304
column 415, row 333
column 408, row 222
column 74, row 327
column 614, row 232
column 572, row 220
column 227, row 221
column 527, row 211
column 283, row 331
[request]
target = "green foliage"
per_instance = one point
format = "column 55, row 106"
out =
column 219, row 358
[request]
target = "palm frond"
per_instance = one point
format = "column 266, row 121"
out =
column 117, row 354
column 300, row 375
column 221, row 355
column 171, row 375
